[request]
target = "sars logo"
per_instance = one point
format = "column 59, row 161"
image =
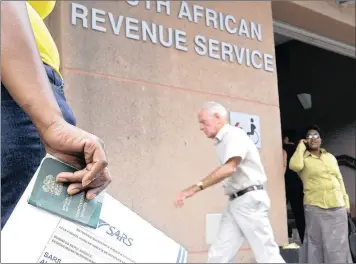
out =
column 114, row 232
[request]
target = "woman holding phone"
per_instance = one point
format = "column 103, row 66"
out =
column 326, row 202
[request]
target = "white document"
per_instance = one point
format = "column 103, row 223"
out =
column 34, row 235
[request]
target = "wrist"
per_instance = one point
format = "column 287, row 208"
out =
column 199, row 186
column 302, row 146
column 193, row 189
column 47, row 121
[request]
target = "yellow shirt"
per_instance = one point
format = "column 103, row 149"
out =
column 38, row 11
column 321, row 177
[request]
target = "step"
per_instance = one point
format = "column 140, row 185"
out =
column 290, row 255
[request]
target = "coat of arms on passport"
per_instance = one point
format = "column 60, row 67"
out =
column 51, row 186
column 51, row 196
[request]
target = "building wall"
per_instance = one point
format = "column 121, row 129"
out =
column 329, row 78
column 342, row 13
column 324, row 18
column 143, row 98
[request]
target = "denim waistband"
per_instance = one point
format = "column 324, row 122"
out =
column 53, row 76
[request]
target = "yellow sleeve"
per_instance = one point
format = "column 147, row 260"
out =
column 43, row 8
column 297, row 160
column 342, row 185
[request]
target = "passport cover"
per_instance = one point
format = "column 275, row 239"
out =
column 51, row 196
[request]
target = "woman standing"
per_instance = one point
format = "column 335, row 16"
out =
column 325, row 201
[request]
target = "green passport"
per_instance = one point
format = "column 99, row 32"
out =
column 51, row 196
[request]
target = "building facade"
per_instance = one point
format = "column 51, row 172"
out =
column 137, row 72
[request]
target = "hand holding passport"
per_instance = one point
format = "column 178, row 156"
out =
column 52, row 196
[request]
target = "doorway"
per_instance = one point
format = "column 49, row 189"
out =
column 316, row 85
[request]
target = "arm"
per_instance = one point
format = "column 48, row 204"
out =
column 235, row 152
column 218, row 175
column 22, row 71
column 24, row 76
column 297, row 160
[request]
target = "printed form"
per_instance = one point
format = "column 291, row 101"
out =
column 34, row 235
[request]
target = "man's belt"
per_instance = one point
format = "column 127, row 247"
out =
column 246, row 190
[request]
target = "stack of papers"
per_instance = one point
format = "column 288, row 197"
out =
column 35, row 235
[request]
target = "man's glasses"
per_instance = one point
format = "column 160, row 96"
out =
column 313, row 136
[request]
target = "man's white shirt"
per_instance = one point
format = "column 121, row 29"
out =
column 234, row 142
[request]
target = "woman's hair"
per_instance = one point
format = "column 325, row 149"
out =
column 313, row 127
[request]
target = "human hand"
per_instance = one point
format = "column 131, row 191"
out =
column 81, row 150
column 303, row 141
column 181, row 196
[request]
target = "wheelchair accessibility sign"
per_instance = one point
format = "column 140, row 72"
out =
column 249, row 123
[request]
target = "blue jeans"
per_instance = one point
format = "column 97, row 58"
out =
column 21, row 148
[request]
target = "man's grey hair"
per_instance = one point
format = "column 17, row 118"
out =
column 215, row 108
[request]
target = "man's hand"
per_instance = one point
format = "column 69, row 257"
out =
column 221, row 173
column 81, row 150
column 181, row 196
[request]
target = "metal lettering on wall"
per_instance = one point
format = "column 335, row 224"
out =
column 174, row 38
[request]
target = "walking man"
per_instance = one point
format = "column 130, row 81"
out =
column 243, row 176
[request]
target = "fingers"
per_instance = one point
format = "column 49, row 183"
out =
column 179, row 202
column 92, row 193
column 94, row 188
column 176, row 203
column 94, row 154
column 95, row 177
column 77, row 176
column 99, row 184
column 92, row 173
column 74, row 177
column 75, row 188
column 80, row 176
column 304, row 141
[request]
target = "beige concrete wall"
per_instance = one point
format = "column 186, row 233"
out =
column 325, row 18
column 142, row 99
column 344, row 13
